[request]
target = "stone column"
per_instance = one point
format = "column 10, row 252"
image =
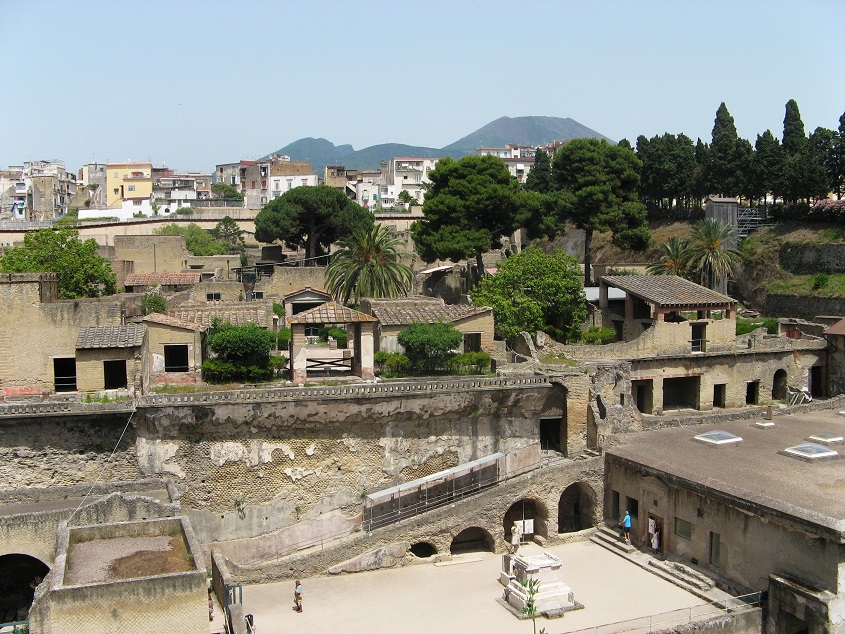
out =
column 366, row 353
column 298, row 361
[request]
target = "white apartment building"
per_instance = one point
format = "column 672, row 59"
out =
column 36, row 190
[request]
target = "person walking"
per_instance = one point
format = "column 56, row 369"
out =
column 626, row 526
column 297, row 596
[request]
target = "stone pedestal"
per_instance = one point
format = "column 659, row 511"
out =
column 553, row 594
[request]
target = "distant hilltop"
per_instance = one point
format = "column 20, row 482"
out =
column 528, row 131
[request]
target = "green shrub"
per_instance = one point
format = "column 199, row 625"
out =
column 745, row 326
column 599, row 336
column 279, row 310
column 470, row 363
column 154, row 303
column 397, row 365
column 219, row 371
column 819, row 280
column 283, row 339
column 429, row 346
column 338, row 334
column 279, row 364
column 380, row 358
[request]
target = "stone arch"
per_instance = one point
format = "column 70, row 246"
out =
column 423, row 550
column 779, row 382
column 576, row 509
column 472, row 539
column 527, row 509
column 19, row 576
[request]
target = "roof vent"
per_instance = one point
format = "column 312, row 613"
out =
column 717, row 437
column 827, row 438
column 810, row 451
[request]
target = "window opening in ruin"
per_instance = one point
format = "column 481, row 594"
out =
column 779, row 382
column 550, row 433
column 643, row 393
column 683, row 528
column 472, row 342
column 719, row 394
column 681, row 392
column 752, row 392
column 176, row 358
column 212, row 297
column 699, row 337
column 64, row 374
column 114, row 374
column 715, row 549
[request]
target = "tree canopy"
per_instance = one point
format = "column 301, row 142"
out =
column 534, row 291
column 242, row 351
column 368, row 264
column 82, row 272
column 197, row 240
column 222, row 190
column 470, row 205
column 710, row 254
column 428, row 346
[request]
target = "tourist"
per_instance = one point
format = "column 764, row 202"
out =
column 626, row 527
column 655, row 541
column 297, row 596
column 516, row 537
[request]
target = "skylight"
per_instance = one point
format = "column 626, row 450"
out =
column 827, row 438
column 764, row 424
column 810, row 451
column 717, row 437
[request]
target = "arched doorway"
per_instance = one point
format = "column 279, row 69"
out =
column 526, row 509
column 576, row 508
column 472, row 539
column 423, row 550
column 19, row 576
column 779, row 385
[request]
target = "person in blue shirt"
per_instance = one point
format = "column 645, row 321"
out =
column 626, row 526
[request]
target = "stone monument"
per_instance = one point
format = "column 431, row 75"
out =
column 553, row 594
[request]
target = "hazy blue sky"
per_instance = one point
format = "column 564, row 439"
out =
column 200, row 83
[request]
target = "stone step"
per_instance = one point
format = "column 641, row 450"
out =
column 683, row 573
column 609, row 539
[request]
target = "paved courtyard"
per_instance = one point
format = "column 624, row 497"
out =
column 425, row 598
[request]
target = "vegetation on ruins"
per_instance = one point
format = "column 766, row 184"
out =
column 222, row 190
column 709, row 254
column 241, row 352
column 82, row 272
column 154, row 302
column 197, row 240
column 310, row 218
column 368, row 264
column 429, row 346
column 535, row 291
column 470, row 205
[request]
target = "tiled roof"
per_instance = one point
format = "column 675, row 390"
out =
column 403, row 315
column 129, row 336
column 331, row 313
column 167, row 320
column 305, row 290
column 232, row 314
column 165, row 279
column 836, row 329
column 667, row 290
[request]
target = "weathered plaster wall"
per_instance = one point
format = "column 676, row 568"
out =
column 152, row 254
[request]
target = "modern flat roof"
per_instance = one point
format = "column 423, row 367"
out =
column 754, row 471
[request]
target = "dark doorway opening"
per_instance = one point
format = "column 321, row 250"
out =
column 790, row 624
column 423, row 550
column 719, row 394
column 752, row 392
column 472, row 539
column 176, row 358
column 643, row 393
column 551, row 430
column 699, row 337
column 114, row 374
column 472, row 342
column 779, row 386
column 531, row 510
column 816, row 386
column 681, row 392
column 19, row 576
column 575, row 508
column 64, row 374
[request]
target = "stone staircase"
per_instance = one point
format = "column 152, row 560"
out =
column 609, row 538
column 681, row 575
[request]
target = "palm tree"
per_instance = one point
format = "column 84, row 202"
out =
column 367, row 264
column 673, row 258
column 711, row 256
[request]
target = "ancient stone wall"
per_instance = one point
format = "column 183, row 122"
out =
column 806, row 259
column 802, row 307
column 152, row 254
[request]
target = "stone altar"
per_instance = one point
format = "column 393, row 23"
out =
column 553, row 594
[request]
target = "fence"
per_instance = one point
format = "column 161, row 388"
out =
column 676, row 618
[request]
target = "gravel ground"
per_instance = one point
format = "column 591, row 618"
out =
column 89, row 562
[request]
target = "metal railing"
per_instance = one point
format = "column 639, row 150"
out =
column 675, row 618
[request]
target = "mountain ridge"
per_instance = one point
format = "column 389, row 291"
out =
column 529, row 131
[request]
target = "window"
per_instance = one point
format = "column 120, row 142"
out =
column 176, row 358
column 290, row 183
column 304, row 182
column 253, row 184
column 132, row 188
column 114, row 374
column 212, row 297
column 472, row 342
column 137, row 203
column 116, row 190
column 257, row 294
column 64, row 374
column 683, row 528
column 115, row 175
column 632, row 506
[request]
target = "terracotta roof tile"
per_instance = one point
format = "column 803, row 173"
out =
column 306, row 289
column 168, row 320
column 403, row 315
column 667, row 290
column 331, row 313
column 128, row 336
column 165, row 279
column 836, row 329
column 233, row 314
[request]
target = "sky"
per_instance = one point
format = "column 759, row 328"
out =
column 192, row 84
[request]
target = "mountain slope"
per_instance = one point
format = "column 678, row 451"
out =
column 531, row 131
